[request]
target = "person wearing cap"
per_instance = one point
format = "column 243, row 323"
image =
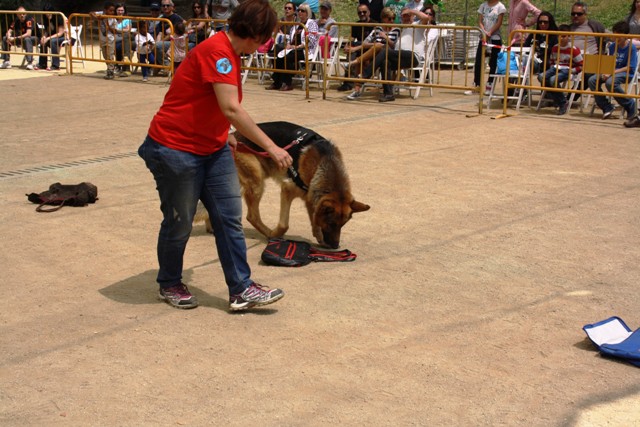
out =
column 326, row 20
column 154, row 11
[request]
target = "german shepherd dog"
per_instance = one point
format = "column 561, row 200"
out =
column 318, row 176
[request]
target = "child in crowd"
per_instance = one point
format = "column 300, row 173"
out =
column 145, row 45
column 626, row 61
column 564, row 60
column 490, row 16
column 179, row 44
column 107, row 36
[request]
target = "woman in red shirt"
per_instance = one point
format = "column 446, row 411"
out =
column 188, row 151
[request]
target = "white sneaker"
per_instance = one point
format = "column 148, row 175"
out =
column 487, row 90
column 6, row 65
column 354, row 95
column 470, row 92
column 29, row 66
column 145, row 79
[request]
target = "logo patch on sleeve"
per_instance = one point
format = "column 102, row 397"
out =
column 223, row 66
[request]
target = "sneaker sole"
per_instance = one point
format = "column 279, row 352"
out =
column 184, row 306
column 248, row 305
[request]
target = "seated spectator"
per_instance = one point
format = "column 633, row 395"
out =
column 295, row 49
column 221, row 10
column 53, row 34
column 285, row 29
column 21, row 32
column 326, row 21
column 396, row 6
column 107, row 35
column 179, row 45
column 634, row 21
column 415, row 5
column 144, row 47
column 375, row 8
column 163, row 35
column 563, row 61
column 542, row 43
column 381, row 37
column 626, row 61
column 154, row 12
column 197, row 29
column 358, row 34
column 123, row 40
column 313, row 6
column 408, row 51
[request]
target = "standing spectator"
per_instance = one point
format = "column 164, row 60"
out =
column 221, row 10
column 123, row 40
column 107, row 35
column 179, row 38
column 163, row 34
column 522, row 15
column 564, row 61
column 626, row 61
column 358, row 35
column 634, row 21
column 188, row 150
column 21, row 32
column 197, row 27
column 144, row 46
column 581, row 23
column 53, row 34
column 542, row 43
column 375, row 8
column 295, row 49
column 396, row 6
column 490, row 16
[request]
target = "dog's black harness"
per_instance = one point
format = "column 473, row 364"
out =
column 304, row 138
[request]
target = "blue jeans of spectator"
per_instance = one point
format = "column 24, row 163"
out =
column 146, row 58
column 182, row 179
column 553, row 78
column 161, row 53
column 54, row 43
column 619, row 81
column 27, row 44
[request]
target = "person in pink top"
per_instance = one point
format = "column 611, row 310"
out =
column 522, row 14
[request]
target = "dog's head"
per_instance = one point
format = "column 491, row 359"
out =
column 331, row 215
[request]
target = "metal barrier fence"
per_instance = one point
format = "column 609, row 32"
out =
column 594, row 66
column 121, row 48
column 45, row 24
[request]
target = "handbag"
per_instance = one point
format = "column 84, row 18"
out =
column 60, row 195
column 292, row 253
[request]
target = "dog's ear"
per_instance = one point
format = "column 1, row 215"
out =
column 359, row 207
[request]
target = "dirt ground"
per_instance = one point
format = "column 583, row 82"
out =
column 489, row 244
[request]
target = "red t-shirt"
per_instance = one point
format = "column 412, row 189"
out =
column 190, row 118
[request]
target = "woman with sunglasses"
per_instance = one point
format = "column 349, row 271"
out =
column 294, row 52
column 542, row 43
column 285, row 22
column 197, row 26
column 189, row 151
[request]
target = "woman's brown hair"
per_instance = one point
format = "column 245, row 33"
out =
column 254, row 19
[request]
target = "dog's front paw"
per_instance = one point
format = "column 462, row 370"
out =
column 278, row 232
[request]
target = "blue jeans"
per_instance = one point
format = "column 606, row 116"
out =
column 161, row 53
column 54, row 43
column 181, row 179
column 551, row 79
column 146, row 58
column 619, row 82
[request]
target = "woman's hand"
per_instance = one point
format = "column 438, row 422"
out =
column 281, row 157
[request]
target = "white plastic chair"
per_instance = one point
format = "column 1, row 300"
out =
column 76, row 33
column 425, row 68
column 522, row 76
